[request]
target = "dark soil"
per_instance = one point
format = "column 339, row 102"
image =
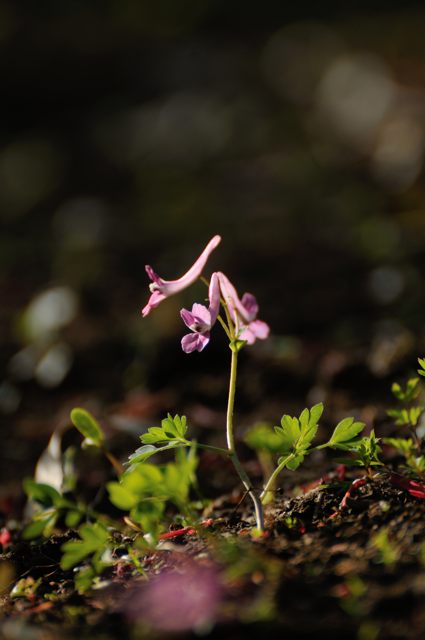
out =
column 318, row 572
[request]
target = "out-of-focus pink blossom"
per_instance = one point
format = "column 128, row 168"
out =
column 5, row 538
column 200, row 320
column 243, row 312
column 162, row 289
column 176, row 602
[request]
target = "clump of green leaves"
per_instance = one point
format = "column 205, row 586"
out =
column 50, row 507
column 365, row 452
column 25, row 588
column 145, row 489
column 296, row 437
column 408, row 414
column 93, row 542
column 415, row 464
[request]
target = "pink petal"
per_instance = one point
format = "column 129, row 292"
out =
column 260, row 329
column 188, row 318
column 214, row 297
column 255, row 330
column 194, row 342
column 152, row 275
column 250, row 304
column 231, row 298
column 153, row 302
column 201, row 314
column 199, row 319
column 247, row 334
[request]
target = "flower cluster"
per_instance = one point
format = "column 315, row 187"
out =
column 241, row 312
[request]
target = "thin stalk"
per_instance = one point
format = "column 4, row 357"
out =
column 118, row 467
column 209, row 447
column 224, row 325
column 258, row 507
column 270, row 483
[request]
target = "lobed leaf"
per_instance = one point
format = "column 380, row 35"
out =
column 171, row 429
column 345, row 431
column 93, row 539
column 289, row 432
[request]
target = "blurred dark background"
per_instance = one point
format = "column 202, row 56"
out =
column 134, row 131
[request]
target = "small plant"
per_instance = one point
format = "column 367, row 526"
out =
column 408, row 415
column 145, row 489
column 365, row 452
column 50, row 507
column 146, row 492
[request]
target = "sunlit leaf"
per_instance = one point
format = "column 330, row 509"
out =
column 88, row 426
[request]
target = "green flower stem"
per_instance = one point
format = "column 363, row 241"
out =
column 258, row 507
column 271, row 481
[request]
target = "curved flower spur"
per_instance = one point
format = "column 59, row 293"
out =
column 162, row 289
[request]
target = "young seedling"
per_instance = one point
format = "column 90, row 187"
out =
column 93, row 434
column 409, row 415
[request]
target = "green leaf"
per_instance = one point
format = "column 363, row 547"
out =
column 316, row 413
column 84, row 579
column 289, row 432
column 345, row 431
column 121, row 497
column 44, row 494
column 144, row 453
column 149, row 515
column 408, row 394
column 262, row 437
column 181, row 425
column 171, row 430
column 88, row 426
column 143, row 480
column 73, row 518
column 297, row 434
column 295, row 462
column 404, row 445
column 41, row 525
column 93, row 539
column 304, row 419
column 309, row 426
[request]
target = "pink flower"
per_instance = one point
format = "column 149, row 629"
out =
column 177, row 601
column 200, row 320
column 243, row 312
column 161, row 289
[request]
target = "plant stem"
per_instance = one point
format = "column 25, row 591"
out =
column 258, row 507
column 269, row 485
column 118, row 467
column 209, row 447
